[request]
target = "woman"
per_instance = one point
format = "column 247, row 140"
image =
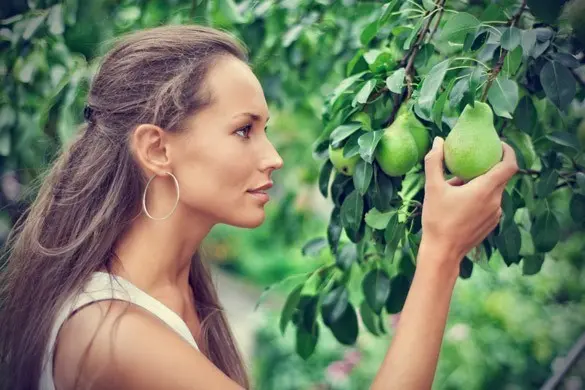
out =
column 104, row 287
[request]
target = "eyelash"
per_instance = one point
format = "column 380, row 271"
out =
column 248, row 129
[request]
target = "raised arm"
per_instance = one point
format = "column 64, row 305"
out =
column 456, row 218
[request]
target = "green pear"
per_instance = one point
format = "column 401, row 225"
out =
column 397, row 151
column 345, row 165
column 417, row 129
column 420, row 134
column 473, row 146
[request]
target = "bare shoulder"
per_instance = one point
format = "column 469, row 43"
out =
column 117, row 345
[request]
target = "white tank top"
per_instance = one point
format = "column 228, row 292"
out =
column 103, row 286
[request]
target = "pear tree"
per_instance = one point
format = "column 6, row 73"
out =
column 477, row 75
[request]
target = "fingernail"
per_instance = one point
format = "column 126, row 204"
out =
column 435, row 142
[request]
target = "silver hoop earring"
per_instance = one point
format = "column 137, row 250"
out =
column 144, row 198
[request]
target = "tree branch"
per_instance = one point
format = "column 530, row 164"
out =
column 500, row 63
column 408, row 60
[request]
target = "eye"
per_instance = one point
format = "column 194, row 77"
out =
column 246, row 130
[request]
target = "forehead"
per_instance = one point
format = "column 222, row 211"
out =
column 235, row 88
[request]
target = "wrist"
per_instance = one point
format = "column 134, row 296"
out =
column 436, row 257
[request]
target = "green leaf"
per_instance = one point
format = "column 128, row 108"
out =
column 289, row 306
column 458, row 26
column 546, row 10
column 381, row 190
column 334, row 229
column 314, row 246
column 229, row 12
column 55, row 20
column 387, row 12
column 474, row 83
column 393, row 232
column 345, row 329
column 362, row 176
column 343, row 86
column 369, row 32
column 465, row 268
column 532, row 264
column 439, row 106
column 376, row 287
column 351, row 147
column 528, row 42
column 378, row 220
column 346, row 256
column 525, row 116
column 580, row 177
column 334, row 305
column 566, row 59
column 558, row 84
column 413, row 34
column 564, row 138
column 512, row 62
column 511, row 38
column 369, row 318
column 457, row 92
column 32, row 26
column 430, row 86
column 5, row 144
column 546, row 183
column 503, row 96
column 545, row 231
column 324, row 177
column 577, row 208
column 363, row 118
column 399, row 287
column 364, row 93
column 479, row 40
column 306, row 342
column 508, row 243
column 395, row 81
column 368, row 143
column 342, row 132
column 352, row 210
column 424, row 55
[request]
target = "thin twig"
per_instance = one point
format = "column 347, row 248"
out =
column 434, row 30
column 408, row 60
column 500, row 63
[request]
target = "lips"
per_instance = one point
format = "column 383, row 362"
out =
column 262, row 189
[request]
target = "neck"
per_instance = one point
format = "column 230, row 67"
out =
column 154, row 254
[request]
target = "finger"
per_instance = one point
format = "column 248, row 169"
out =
column 455, row 181
column 434, row 174
column 499, row 175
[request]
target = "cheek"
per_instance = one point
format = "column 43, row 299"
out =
column 213, row 182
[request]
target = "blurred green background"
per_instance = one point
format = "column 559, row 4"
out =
column 505, row 331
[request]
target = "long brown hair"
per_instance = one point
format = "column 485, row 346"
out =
column 92, row 192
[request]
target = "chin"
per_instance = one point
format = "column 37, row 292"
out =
column 249, row 223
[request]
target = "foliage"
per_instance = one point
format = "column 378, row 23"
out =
column 434, row 59
column 505, row 330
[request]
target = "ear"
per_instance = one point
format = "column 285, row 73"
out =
column 149, row 143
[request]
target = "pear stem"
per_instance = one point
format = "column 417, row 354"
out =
column 498, row 67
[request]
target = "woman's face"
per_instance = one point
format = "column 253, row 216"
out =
column 225, row 153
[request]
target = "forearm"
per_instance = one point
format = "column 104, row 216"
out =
column 411, row 360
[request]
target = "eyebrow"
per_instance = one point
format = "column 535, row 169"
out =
column 254, row 117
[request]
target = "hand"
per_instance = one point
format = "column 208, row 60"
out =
column 457, row 216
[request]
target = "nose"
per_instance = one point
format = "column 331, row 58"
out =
column 272, row 160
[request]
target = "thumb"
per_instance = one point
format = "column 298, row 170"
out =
column 434, row 163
